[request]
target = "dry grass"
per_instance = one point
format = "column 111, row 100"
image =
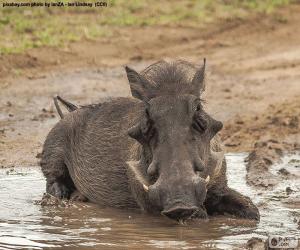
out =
column 24, row 28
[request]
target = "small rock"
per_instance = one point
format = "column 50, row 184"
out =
column 286, row 122
column 283, row 171
column 292, row 161
column 34, row 119
column 49, row 200
column 57, row 219
column 231, row 144
column 8, row 104
column 256, row 244
column 10, row 115
column 184, row 39
column 294, row 122
column 288, row 190
column 136, row 58
column 8, row 172
column 38, row 155
column 260, row 144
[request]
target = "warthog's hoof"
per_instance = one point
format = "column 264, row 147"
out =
column 59, row 190
column 200, row 214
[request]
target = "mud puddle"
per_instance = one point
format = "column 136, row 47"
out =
column 25, row 225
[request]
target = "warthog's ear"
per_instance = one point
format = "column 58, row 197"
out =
column 198, row 80
column 135, row 132
column 139, row 85
column 143, row 130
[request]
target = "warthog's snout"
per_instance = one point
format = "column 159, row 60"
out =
column 179, row 212
column 180, row 198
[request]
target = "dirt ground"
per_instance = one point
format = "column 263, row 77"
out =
column 253, row 80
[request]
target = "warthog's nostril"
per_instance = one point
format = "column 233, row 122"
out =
column 178, row 213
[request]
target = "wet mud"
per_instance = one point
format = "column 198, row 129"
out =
column 26, row 224
column 262, row 157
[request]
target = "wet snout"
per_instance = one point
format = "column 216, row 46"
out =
column 180, row 199
column 180, row 212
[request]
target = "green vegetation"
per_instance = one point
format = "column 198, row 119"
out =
column 24, row 27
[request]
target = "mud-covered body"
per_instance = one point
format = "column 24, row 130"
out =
column 160, row 153
column 95, row 147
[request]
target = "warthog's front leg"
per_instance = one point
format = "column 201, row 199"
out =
column 231, row 202
column 58, row 189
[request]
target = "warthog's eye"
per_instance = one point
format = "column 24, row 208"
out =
column 148, row 129
column 199, row 122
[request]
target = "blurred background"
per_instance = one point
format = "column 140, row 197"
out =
column 24, row 28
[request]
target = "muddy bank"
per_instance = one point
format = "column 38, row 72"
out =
column 264, row 155
column 279, row 123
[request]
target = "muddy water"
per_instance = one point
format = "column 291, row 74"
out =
column 24, row 225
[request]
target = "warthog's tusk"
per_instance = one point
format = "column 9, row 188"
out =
column 207, row 179
column 146, row 188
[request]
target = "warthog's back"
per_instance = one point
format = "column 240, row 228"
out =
column 98, row 148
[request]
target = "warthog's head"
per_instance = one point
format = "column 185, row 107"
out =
column 175, row 133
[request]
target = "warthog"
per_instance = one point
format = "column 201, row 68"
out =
column 158, row 151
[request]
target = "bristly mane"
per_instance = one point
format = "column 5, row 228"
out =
column 170, row 78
